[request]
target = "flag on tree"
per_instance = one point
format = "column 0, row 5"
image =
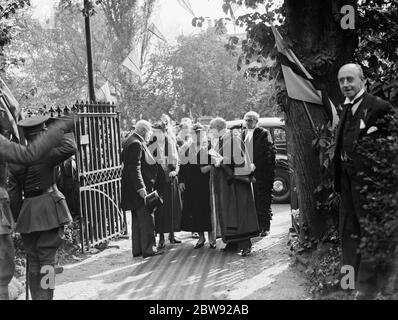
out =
column 300, row 85
column 9, row 106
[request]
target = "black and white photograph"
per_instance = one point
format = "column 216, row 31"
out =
column 198, row 156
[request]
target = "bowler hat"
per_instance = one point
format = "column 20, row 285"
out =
column 198, row 127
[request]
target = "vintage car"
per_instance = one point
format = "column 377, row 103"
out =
column 276, row 127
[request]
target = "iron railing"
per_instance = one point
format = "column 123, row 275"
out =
column 97, row 131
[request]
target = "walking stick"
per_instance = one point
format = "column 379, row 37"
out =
column 172, row 204
column 27, row 279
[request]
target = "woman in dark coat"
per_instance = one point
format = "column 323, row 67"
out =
column 194, row 183
column 168, row 215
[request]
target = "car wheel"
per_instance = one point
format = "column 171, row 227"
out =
column 281, row 189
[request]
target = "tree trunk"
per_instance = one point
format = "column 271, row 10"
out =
column 306, row 165
column 323, row 47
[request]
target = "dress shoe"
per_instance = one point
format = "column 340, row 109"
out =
column 199, row 245
column 246, row 252
column 174, row 241
column 161, row 244
column 195, row 235
column 156, row 253
column 264, row 233
column 212, row 245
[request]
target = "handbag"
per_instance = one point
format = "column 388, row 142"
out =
column 153, row 200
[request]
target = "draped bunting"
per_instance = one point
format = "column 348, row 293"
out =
column 300, row 85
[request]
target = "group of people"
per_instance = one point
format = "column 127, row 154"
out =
column 231, row 199
column 193, row 179
column 210, row 180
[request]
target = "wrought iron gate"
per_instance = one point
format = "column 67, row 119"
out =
column 99, row 173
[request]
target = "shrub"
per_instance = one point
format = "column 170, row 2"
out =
column 380, row 195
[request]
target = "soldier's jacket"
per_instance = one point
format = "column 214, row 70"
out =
column 15, row 153
column 44, row 206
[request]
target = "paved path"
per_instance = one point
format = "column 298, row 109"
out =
column 186, row 273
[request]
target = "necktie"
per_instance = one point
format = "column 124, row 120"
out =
column 352, row 103
column 349, row 111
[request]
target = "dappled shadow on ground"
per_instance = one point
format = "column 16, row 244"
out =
column 182, row 272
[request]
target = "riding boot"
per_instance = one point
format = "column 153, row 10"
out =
column 47, row 294
column 47, row 282
column 4, row 293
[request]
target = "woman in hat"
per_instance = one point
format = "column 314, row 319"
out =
column 164, row 149
column 194, row 183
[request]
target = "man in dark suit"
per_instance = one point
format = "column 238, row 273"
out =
column 261, row 149
column 138, row 180
column 44, row 211
column 359, row 118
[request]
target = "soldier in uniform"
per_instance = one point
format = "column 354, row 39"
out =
column 262, row 150
column 11, row 152
column 44, row 210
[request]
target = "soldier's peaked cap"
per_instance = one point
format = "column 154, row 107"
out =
column 33, row 125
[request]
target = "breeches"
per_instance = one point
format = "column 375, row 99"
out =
column 7, row 265
column 143, row 232
column 41, row 247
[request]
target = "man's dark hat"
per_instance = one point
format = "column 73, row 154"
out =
column 159, row 125
column 198, row 127
column 33, row 125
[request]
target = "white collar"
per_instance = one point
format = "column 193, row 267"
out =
column 347, row 100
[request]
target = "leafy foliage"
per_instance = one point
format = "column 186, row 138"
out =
column 380, row 195
column 378, row 46
column 209, row 83
column 328, row 200
column 8, row 10
column 54, row 66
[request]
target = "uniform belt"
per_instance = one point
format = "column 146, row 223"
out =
column 38, row 192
